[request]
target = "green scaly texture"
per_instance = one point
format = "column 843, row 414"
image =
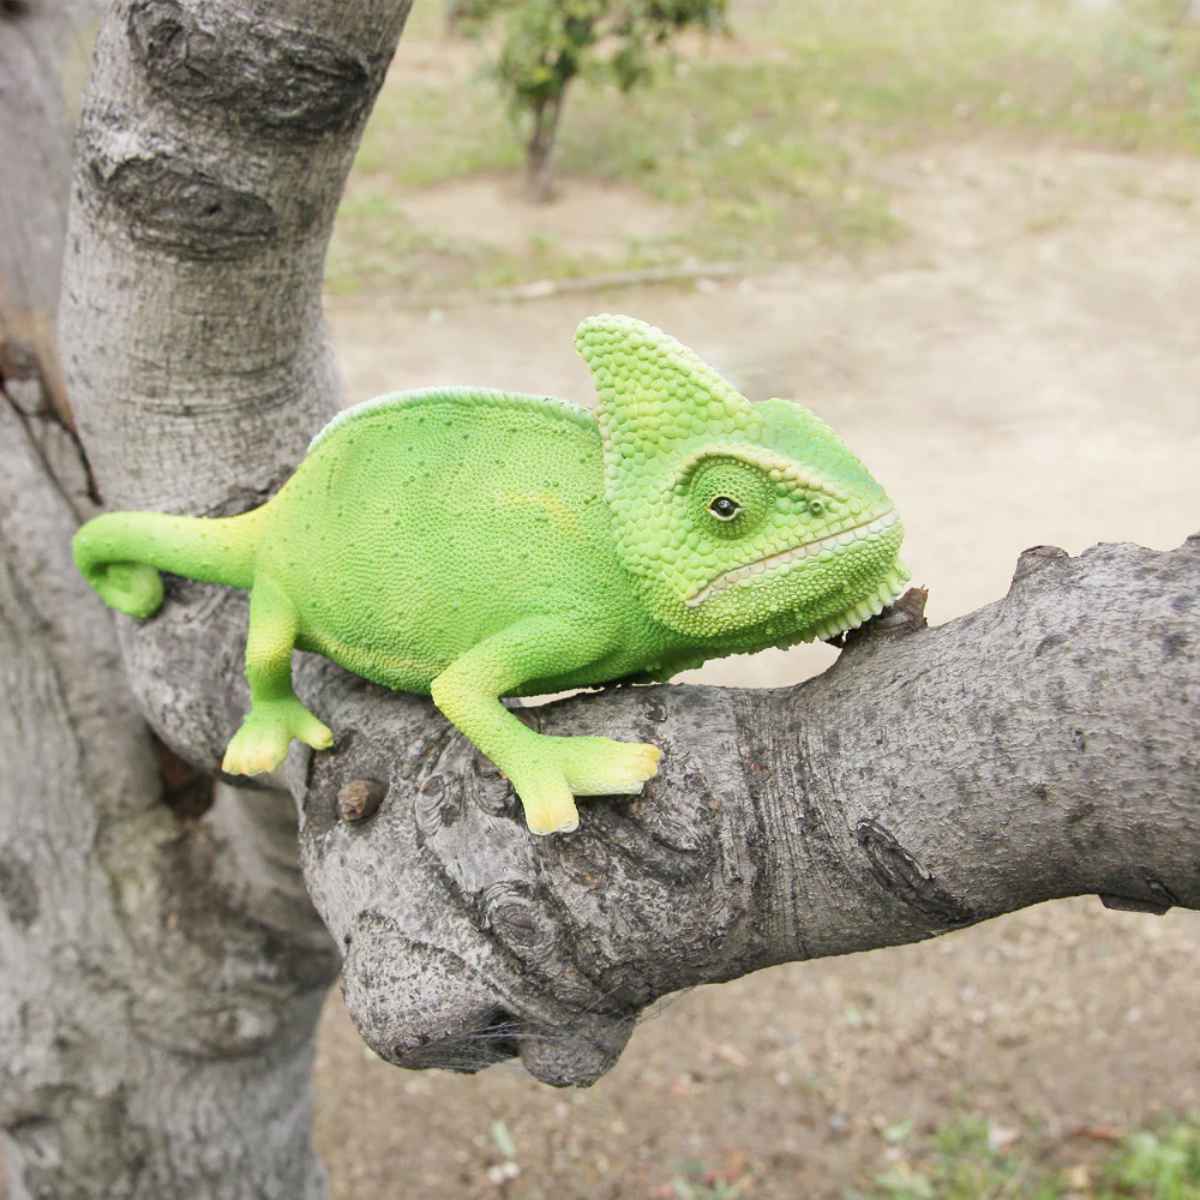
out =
column 473, row 544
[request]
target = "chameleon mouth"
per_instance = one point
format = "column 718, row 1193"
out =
column 845, row 537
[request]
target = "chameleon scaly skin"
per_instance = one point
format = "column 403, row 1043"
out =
column 474, row 544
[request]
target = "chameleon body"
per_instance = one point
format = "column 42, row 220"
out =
column 476, row 544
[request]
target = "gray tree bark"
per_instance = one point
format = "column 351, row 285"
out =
column 163, row 965
column 1038, row 748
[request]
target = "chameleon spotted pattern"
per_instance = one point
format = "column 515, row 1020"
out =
column 475, row 544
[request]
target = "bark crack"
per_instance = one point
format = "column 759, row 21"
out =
column 18, row 367
column 900, row 874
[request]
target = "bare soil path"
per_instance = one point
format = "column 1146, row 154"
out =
column 1024, row 369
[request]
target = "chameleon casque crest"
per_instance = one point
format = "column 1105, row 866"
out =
column 472, row 544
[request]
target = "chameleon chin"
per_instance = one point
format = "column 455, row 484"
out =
column 471, row 544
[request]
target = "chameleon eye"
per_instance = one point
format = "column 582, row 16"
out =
column 727, row 498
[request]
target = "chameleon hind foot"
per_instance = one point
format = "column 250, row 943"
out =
column 579, row 766
column 261, row 743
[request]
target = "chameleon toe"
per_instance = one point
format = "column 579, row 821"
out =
column 568, row 825
column 256, row 748
column 602, row 767
column 313, row 733
column 555, row 813
column 261, row 744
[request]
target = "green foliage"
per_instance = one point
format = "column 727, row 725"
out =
column 964, row 1160
column 1158, row 1165
column 962, row 1164
column 547, row 44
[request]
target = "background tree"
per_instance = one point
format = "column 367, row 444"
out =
column 548, row 44
column 162, row 966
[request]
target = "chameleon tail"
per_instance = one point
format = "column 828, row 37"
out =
column 120, row 554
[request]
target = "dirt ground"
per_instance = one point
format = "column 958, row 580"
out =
column 1024, row 369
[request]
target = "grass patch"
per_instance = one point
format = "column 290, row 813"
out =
column 769, row 143
column 1157, row 1165
column 962, row 1161
column 377, row 247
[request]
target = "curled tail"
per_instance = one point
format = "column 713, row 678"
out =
column 120, row 554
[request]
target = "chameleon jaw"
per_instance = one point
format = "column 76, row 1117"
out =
column 752, row 570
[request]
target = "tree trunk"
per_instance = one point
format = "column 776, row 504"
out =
column 539, row 150
column 35, row 148
column 164, row 968
column 163, row 971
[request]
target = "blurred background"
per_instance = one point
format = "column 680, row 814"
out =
column 965, row 233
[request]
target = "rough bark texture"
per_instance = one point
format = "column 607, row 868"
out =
column 163, row 967
column 1041, row 747
column 1038, row 748
column 155, row 1034
column 39, row 50
column 162, row 974
column 213, row 146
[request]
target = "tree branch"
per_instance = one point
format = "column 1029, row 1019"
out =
column 1041, row 747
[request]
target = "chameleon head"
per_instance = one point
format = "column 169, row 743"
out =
column 733, row 517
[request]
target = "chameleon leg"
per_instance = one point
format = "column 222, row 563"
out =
column 276, row 715
column 546, row 772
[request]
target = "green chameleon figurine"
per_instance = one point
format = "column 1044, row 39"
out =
column 470, row 544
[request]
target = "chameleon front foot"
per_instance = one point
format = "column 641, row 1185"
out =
column 579, row 766
column 261, row 743
column 597, row 766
